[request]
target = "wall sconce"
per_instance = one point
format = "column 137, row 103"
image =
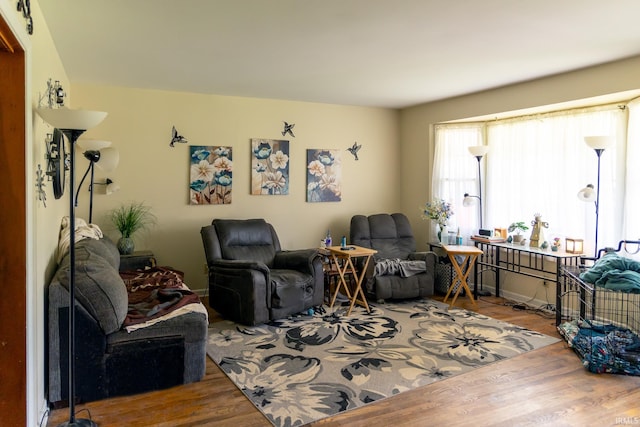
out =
column 54, row 95
column 574, row 246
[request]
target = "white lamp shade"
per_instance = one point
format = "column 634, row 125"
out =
column 93, row 144
column 598, row 142
column 468, row 201
column 66, row 118
column 109, row 158
column 112, row 188
column 479, row 150
column 587, row 194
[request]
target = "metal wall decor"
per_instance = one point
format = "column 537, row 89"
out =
column 42, row 195
column 24, row 6
column 56, row 161
column 175, row 137
column 288, row 129
column 354, row 149
column 53, row 96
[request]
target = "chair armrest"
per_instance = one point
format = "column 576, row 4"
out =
column 238, row 265
column 300, row 260
column 431, row 258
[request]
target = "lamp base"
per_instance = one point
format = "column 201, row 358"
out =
column 79, row 422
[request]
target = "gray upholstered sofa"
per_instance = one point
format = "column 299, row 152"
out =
column 391, row 235
column 110, row 361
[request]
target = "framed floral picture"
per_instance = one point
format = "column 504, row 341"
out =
column 269, row 167
column 211, row 175
column 324, row 176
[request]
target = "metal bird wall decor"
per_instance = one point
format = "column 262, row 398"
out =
column 42, row 195
column 175, row 137
column 288, row 129
column 354, row 149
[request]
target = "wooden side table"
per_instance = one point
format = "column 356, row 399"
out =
column 345, row 267
column 469, row 254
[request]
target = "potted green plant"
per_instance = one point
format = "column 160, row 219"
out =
column 518, row 227
column 128, row 219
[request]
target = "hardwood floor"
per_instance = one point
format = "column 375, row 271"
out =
column 547, row 386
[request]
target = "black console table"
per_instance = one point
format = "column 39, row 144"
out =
column 533, row 262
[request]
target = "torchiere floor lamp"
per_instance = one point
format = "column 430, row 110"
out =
column 72, row 123
column 587, row 194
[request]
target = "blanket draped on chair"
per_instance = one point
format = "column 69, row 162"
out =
column 400, row 267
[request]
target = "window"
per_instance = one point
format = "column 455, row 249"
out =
column 537, row 164
column 455, row 172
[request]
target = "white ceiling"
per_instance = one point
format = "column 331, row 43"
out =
column 382, row 53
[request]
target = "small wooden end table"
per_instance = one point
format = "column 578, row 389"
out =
column 470, row 254
column 347, row 255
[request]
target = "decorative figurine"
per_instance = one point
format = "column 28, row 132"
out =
column 537, row 234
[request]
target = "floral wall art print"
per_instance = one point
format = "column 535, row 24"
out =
column 324, row 176
column 269, row 166
column 211, row 175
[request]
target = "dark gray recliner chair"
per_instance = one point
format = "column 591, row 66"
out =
column 251, row 280
column 391, row 235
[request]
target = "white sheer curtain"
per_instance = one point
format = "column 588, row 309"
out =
column 537, row 164
column 455, row 172
column 631, row 223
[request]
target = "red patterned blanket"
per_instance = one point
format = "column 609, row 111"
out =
column 155, row 292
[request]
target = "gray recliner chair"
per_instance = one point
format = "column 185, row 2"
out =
column 391, row 235
column 251, row 279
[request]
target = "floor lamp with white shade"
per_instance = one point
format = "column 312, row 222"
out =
column 72, row 123
column 477, row 151
column 588, row 193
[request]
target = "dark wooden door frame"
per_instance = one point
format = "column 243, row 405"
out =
column 13, row 230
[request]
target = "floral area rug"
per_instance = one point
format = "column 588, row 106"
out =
column 305, row 368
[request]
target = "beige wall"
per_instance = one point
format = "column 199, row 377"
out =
column 43, row 63
column 139, row 126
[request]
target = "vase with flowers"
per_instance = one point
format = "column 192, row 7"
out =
column 439, row 211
